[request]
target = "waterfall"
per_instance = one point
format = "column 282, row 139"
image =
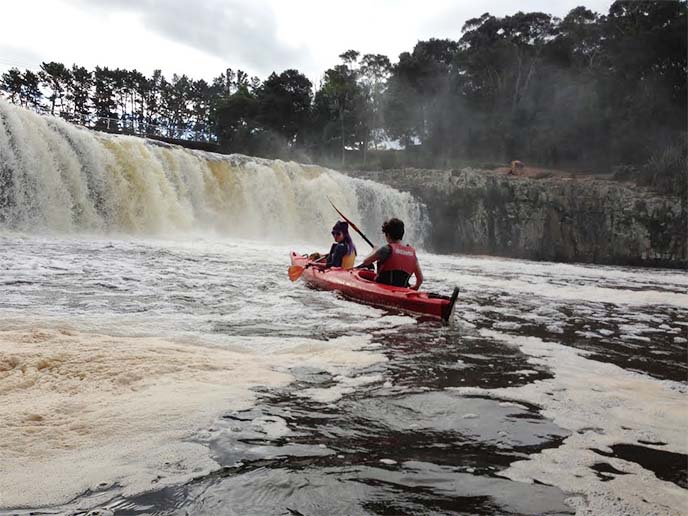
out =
column 56, row 177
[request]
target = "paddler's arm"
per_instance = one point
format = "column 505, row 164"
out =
column 318, row 264
column 419, row 276
column 369, row 260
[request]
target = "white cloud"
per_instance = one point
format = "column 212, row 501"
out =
column 234, row 31
column 201, row 38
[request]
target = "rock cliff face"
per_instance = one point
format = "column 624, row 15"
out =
column 558, row 219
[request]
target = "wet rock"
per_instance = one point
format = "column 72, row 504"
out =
column 557, row 219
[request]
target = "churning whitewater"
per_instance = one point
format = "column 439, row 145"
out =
column 154, row 356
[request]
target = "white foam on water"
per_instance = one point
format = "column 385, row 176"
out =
column 587, row 293
column 345, row 385
column 577, row 272
column 594, row 285
column 272, row 427
column 85, row 409
column 602, row 405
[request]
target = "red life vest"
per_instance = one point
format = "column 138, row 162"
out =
column 403, row 258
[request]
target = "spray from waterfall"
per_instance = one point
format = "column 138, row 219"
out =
column 57, row 177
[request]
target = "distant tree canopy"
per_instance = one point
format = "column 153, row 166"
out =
column 589, row 90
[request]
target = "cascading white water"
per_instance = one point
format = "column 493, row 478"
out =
column 57, row 177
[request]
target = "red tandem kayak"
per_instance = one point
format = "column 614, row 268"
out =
column 359, row 284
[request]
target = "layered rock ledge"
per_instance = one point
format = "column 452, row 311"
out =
column 569, row 219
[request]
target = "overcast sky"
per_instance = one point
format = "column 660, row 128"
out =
column 201, row 38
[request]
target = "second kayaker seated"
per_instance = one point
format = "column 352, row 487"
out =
column 396, row 262
column 343, row 251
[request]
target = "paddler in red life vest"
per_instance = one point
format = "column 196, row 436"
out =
column 396, row 262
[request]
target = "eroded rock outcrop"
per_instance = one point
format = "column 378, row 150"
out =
column 559, row 219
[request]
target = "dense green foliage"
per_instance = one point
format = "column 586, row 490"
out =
column 589, row 91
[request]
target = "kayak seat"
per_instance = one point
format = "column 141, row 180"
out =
column 367, row 274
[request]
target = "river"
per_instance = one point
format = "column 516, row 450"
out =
column 155, row 358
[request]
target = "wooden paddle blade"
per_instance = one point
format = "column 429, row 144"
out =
column 295, row 272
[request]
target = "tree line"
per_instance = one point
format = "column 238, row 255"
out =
column 124, row 100
column 597, row 91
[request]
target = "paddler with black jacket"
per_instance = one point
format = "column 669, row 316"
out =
column 396, row 262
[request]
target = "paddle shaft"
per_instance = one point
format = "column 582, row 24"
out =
column 351, row 224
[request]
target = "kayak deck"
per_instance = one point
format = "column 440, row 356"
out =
column 360, row 285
